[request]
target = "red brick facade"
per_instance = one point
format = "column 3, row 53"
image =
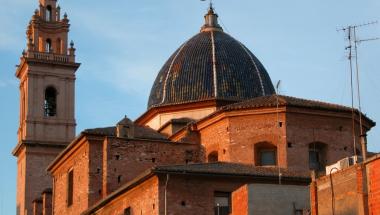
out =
column 240, row 201
column 373, row 172
column 354, row 190
column 185, row 194
column 101, row 165
column 236, row 136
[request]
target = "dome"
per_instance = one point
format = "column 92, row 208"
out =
column 212, row 65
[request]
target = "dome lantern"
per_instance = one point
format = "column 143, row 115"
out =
column 211, row 21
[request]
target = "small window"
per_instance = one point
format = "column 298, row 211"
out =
column 127, row 211
column 317, row 155
column 48, row 46
column 213, row 157
column 222, row 203
column 265, row 154
column 70, row 187
column 267, row 157
column 50, row 105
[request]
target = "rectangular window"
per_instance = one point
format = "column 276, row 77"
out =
column 267, row 158
column 314, row 163
column 222, row 203
column 70, row 187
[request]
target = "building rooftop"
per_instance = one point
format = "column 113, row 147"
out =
column 140, row 132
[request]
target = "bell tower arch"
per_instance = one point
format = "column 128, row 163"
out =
column 47, row 93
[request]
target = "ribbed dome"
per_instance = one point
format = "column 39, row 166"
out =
column 211, row 65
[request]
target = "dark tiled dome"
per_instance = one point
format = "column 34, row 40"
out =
column 211, row 65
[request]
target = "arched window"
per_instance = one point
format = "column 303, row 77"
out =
column 317, row 156
column 49, row 13
column 50, row 105
column 48, row 47
column 212, row 157
column 266, row 154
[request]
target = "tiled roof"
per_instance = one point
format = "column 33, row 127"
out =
column 271, row 101
column 233, row 169
column 211, row 65
column 142, row 132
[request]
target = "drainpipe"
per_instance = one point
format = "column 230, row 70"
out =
column 363, row 141
column 166, row 186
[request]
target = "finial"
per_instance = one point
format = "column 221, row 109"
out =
column 72, row 44
column 36, row 12
column 211, row 20
column 65, row 16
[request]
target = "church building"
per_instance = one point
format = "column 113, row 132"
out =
column 216, row 138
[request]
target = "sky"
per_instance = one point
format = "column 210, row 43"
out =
column 122, row 45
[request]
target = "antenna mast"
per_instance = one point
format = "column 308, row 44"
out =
column 352, row 38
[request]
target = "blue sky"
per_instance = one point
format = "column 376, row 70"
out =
column 122, row 44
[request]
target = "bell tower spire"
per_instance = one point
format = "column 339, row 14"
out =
column 47, row 93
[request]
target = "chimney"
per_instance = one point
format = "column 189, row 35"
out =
column 125, row 128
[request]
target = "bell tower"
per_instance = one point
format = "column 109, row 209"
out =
column 47, row 93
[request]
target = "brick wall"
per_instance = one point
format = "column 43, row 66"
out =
column 101, row 165
column 125, row 159
column 141, row 200
column 344, row 197
column 240, row 201
column 33, row 178
column 304, row 128
column 248, row 130
column 194, row 195
column 78, row 162
column 214, row 138
column 235, row 134
column 373, row 173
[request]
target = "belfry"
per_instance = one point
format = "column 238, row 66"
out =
column 47, row 93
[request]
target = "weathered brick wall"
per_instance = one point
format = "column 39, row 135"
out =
column 373, row 173
column 342, row 197
column 247, row 130
column 194, row 196
column 141, row 200
column 215, row 138
column 20, row 199
column 34, row 178
column 306, row 128
column 125, row 159
column 95, row 177
column 240, row 201
column 79, row 163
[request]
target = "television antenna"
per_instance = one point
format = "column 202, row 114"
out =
column 353, row 52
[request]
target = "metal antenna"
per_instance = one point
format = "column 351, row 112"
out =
column 353, row 40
